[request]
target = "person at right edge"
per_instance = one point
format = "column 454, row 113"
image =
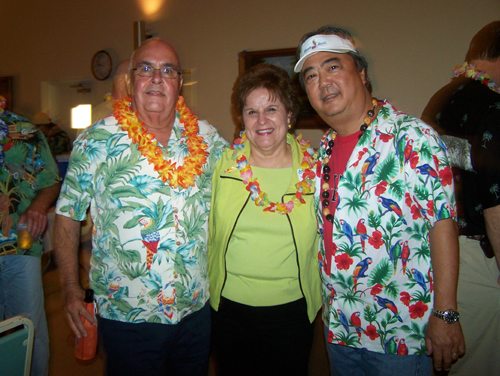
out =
column 389, row 246
column 467, row 112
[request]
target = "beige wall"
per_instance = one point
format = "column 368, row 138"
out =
column 411, row 45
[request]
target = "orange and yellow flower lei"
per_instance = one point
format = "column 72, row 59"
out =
column 184, row 175
column 259, row 197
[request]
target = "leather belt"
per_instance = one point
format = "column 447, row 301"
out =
column 475, row 237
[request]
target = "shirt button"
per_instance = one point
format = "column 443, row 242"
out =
column 178, row 242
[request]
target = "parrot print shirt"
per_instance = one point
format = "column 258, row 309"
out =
column 149, row 240
column 397, row 184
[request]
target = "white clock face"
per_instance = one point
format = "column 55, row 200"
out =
column 101, row 65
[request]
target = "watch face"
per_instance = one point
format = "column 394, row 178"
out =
column 451, row 316
column 101, row 65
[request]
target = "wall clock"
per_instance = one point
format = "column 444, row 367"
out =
column 102, row 65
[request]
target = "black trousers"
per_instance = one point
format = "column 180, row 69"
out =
column 253, row 341
column 155, row 349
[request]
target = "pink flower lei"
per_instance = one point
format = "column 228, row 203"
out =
column 470, row 71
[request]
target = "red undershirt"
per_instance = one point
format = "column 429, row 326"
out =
column 341, row 151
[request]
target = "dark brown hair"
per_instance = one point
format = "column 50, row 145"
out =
column 270, row 77
column 486, row 44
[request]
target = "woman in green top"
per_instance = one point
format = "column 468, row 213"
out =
column 263, row 268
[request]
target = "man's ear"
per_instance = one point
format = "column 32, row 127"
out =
column 363, row 76
column 128, row 83
column 180, row 84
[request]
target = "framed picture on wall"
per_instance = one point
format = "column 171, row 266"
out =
column 6, row 91
column 285, row 59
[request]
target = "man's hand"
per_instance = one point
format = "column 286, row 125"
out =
column 36, row 219
column 445, row 342
column 36, row 214
column 67, row 233
column 492, row 221
column 74, row 308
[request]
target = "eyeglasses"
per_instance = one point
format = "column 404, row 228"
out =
column 145, row 70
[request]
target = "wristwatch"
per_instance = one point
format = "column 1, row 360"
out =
column 450, row 315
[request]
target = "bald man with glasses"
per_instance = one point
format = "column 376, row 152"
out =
column 146, row 173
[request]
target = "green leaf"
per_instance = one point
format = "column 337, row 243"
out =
column 421, row 192
column 374, row 220
column 153, row 293
column 385, row 112
column 132, row 315
column 392, row 290
column 388, row 226
column 415, row 327
column 154, row 319
column 369, row 314
column 139, row 271
column 356, row 205
column 98, row 134
column 122, row 305
column 396, row 188
column 131, row 223
column 99, row 288
column 405, row 328
column 381, row 273
column 126, row 191
column 73, row 183
column 129, row 256
column 386, row 169
column 425, row 151
column 133, row 205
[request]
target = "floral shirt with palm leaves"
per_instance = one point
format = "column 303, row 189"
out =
column 397, row 184
column 149, row 240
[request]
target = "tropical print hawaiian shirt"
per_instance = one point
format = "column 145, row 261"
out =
column 59, row 142
column 26, row 167
column 474, row 114
column 396, row 185
column 149, row 240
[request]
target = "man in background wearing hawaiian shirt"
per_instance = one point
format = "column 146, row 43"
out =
column 389, row 254
column 146, row 173
column 29, row 182
column 467, row 111
column 57, row 138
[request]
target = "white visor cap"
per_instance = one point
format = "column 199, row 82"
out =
column 321, row 42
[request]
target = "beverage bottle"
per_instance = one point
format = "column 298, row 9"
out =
column 85, row 347
column 24, row 238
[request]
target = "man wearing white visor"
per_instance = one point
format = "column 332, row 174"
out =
column 389, row 255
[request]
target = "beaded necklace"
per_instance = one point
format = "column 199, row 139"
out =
column 325, row 187
column 259, row 197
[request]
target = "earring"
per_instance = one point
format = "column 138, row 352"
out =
column 289, row 126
